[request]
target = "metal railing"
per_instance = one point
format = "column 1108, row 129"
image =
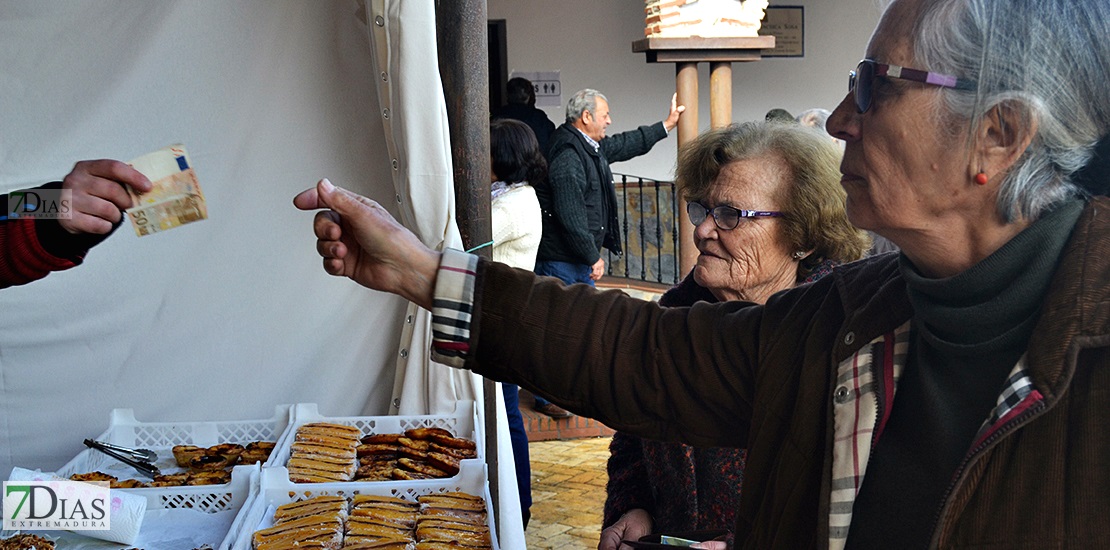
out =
column 649, row 231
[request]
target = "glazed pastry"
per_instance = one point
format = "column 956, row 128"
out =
column 426, row 433
column 26, row 542
column 358, row 526
column 383, row 502
column 401, row 474
column 169, row 480
column 418, row 444
column 461, row 516
column 380, row 543
column 434, row 545
column 453, row 500
column 184, row 453
column 456, row 452
column 217, row 477
column 257, row 451
column 389, row 518
column 377, row 449
column 422, row 467
column 448, row 464
column 323, row 451
column 380, row 439
column 376, row 471
column 465, row 538
column 128, row 484
column 230, row 450
column 93, row 476
column 455, row 442
column 321, row 505
column 209, row 462
column 318, row 527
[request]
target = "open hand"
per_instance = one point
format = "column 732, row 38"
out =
column 358, row 239
column 676, row 111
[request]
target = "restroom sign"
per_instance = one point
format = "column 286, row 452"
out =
column 549, row 90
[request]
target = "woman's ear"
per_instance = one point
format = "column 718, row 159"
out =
column 1005, row 132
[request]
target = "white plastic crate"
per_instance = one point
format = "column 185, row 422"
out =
column 125, row 430
column 463, row 422
column 275, row 489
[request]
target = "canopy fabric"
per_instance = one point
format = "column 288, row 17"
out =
column 226, row 317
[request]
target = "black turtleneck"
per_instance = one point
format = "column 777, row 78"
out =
column 968, row 332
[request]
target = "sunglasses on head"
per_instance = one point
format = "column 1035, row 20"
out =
column 726, row 217
column 861, row 81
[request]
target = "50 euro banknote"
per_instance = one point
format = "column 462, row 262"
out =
column 175, row 199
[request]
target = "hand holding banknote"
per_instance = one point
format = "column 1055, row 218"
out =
column 174, row 199
column 101, row 191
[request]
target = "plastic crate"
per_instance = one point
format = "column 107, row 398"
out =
column 160, row 437
column 463, row 422
column 275, row 489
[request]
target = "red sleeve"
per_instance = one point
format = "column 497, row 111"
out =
column 22, row 257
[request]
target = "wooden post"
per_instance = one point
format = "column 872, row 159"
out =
column 464, row 69
column 720, row 94
column 686, row 84
column 686, row 53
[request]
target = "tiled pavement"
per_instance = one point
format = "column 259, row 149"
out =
column 568, row 492
column 568, row 458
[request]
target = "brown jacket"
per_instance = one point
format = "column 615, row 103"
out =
column 735, row 374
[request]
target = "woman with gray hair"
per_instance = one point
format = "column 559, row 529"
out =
column 768, row 213
column 950, row 396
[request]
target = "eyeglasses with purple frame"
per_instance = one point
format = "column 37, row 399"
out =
column 726, row 217
column 860, row 80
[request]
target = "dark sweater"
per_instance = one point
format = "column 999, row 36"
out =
column 535, row 119
column 578, row 199
column 968, row 333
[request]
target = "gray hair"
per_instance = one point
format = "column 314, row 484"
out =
column 814, row 118
column 582, row 101
column 1046, row 60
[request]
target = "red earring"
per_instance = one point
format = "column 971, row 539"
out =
column 981, row 178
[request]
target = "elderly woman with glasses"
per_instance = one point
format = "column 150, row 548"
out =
column 953, row 395
column 768, row 207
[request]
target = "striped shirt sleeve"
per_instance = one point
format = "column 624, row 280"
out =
column 453, row 302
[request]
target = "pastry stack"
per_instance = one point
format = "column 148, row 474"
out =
column 452, row 521
column 381, row 522
column 447, row 521
column 323, row 452
column 313, row 523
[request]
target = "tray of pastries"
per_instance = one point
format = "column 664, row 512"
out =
column 203, row 465
column 439, row 514
column 324, row 449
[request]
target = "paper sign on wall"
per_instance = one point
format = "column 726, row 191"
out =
column 549, row 91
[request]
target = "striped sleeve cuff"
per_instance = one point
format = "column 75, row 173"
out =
column 452, row 304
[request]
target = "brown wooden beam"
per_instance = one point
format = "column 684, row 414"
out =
column 464, row 69
column 686, row 85
column 720, row 94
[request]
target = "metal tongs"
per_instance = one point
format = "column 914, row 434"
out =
column 139, row 459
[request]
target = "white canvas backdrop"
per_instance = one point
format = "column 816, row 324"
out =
column 224, row 318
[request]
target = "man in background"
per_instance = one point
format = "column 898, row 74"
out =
column 578, row 200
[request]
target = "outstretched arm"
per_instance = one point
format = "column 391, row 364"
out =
column 359, row 240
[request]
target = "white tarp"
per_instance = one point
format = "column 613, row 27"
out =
column 224, row 318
